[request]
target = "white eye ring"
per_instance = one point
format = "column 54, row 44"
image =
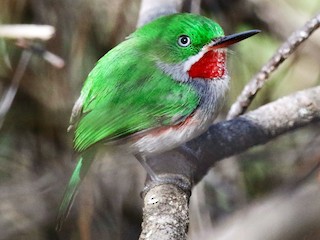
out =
column 184, row 41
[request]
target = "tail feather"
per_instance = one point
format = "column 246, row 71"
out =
column 78, row 175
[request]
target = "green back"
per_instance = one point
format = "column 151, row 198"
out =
column 126, row 92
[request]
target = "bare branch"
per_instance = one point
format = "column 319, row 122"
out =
column 195, row 6
column 7, row 99
column 27, row 31
column 40, row 50
column 252, row 88
column 224, row 139
column 151, row 9
column 289, row 215
column 228, row 138
column 165, row 213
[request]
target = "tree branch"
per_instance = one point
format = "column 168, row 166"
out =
column 27, row 31
column 21, row 32
column 286, row 216
column 165, row 213
column 7, row 99
column 151, row 9
column 227, row 138
column 257, row 82
column 231, row 137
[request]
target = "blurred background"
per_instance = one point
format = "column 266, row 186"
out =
column 36, row 156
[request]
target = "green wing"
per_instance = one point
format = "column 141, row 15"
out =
column 126, row 93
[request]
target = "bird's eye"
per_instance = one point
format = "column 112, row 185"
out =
column 184, row 41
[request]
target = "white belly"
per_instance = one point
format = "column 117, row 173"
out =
column 212, row 98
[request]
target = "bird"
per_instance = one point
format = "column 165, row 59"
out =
column 159, row 88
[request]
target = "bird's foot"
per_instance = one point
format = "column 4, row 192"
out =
column 155, row 178
column 177, row 180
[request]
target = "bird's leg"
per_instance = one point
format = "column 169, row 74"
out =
column 145, row 165
column 164, row 176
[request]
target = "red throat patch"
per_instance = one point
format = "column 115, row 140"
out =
column 211, row 65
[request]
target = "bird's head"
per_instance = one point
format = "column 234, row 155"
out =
column 188, row 46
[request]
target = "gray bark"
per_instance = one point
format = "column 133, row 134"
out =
column 151, row 9
column 165, row 213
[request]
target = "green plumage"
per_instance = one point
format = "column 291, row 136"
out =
column 126, row 92
column 128, row 97
column 78, row 174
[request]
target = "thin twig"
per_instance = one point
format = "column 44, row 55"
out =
column 27, row 31
column 151, row 9
column 29, row 49
column 195, row 6
column 41, row 51
column 7, row 99
column 257, row 82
